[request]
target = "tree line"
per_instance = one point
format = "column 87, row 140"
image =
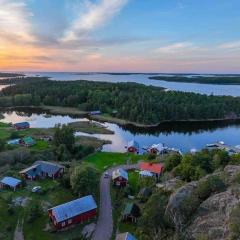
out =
column 130, row 101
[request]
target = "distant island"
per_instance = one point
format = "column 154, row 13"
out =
column 214, row 79
column 3, row 75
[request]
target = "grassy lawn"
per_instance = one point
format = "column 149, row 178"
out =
column 104, row 160
column 90, row 127
column 40, row 145
column 133, row 180
column 54, row 194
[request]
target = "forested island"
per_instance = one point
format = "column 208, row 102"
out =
column 2, row 75
column 132, row 102
column 218, row 79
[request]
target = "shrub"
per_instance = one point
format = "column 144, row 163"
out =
column 209, row 186
column 234, row 223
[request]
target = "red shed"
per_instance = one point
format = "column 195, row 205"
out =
column 74, row 212
column 120, row 178
column 132, row 147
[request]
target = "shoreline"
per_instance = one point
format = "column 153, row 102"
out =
column 103, row 118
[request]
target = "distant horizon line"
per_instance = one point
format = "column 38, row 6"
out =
column 119, row 72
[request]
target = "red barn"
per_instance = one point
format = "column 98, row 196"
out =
column 154, row 168
column 74, row 212
column 132, row 147
column 120, row 178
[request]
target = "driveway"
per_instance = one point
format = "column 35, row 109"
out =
column 104, row 226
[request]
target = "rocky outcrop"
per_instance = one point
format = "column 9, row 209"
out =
column 212, row 217
column 230, row 172
column 173, row 209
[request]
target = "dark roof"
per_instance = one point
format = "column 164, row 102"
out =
column 73, row 208
column 49, row 167
column 22, row 124
column 10, row 181
column 42, row 166
column 131, row 209
column 125, row 236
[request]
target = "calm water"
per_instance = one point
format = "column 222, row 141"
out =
column 232, row 90
column 183, row 136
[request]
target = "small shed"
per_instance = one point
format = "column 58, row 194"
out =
column 14, row 141
column 125, row 236
column 94, row 113
column 27, row 141
column 131, row 212
column 10, row 182
column 74, row 212
column 120, row 178
column 133, row 147
column 21, row 125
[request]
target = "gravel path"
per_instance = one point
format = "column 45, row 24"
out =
column 104, row 226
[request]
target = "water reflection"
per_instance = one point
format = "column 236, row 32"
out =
column 183, row 135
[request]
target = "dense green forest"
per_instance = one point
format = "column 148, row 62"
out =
column 224, row 80
column 129, row 101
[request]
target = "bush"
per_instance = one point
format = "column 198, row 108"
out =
column 34, row 212
column 209, row 186
column 172, row 161
column 10, row 210
column 234, row 223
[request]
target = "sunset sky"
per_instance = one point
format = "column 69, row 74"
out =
column 120, row 35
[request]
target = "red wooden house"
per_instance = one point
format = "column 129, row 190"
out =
column 120, row 178
column 154, row 168
column 74, row 212
column 132, row 147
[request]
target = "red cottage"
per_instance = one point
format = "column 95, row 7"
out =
column 132, row 147
column 74, row 212
column 120, row 178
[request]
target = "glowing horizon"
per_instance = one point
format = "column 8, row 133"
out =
column 120, row 36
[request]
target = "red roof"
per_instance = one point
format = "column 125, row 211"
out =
column 151, row 167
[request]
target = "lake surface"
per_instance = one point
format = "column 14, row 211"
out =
column 183, row 136
column 231, row 90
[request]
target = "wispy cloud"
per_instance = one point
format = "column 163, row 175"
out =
column 95, row 16
column 177, row 47
column 14, row 21
column 230, row 45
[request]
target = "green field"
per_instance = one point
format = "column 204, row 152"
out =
column 105, row 160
